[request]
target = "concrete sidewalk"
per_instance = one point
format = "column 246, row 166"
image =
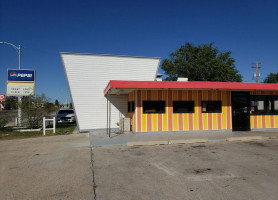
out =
column 102, row 139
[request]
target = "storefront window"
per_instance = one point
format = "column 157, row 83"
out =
column 211, row 106
column 264, row 104
column 183, row 106
column 153, row 106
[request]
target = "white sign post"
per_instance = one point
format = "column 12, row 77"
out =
column 44, row 126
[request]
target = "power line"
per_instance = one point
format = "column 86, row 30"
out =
column 257, row 74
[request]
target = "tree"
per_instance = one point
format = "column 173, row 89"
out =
column 271, row 78
column 201, row 63
column 57, row 104
column 35, row 108
column 11, row 103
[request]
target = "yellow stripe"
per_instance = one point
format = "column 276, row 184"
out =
column 165, row 119
column 251, row 121
column 205, row 115
column 154, row 116
column 267, row 121
column 224, row 110
column 276, row 121
column 195, row 116
column 259, row 121
column 214, row 115
column 185, row 115
column 144, row 116
column 175, row 115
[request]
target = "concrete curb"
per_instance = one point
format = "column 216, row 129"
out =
column 188, row 141
column 146, row 143
column 231, row 139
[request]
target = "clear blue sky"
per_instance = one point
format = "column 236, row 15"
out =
column 247, row 28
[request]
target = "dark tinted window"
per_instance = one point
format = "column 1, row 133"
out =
column 131, row 106
column 183, row 106
column 153, row 106
column 211, row 106
column 65, row 112
column 264, row 104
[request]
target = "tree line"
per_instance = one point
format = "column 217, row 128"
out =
column 204, row 63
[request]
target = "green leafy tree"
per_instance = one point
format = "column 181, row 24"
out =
column 34, row 108
column 57, row 104
column 201, row 63
column 271, row 78
column 11, row 103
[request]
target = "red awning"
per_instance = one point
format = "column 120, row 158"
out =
column 116, row 84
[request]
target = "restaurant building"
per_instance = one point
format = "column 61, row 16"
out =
column 163, row 106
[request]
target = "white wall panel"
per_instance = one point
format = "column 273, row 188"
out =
column 89, row 74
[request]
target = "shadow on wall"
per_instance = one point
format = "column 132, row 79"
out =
column 118, row 109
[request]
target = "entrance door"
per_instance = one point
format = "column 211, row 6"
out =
column 241, row 111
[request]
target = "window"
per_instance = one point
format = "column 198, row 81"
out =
column 258, row 104
column 130, row 107
column 211, row 106
column 264, row 104
column 183, row 106
column 153, row 106
column 273, row 104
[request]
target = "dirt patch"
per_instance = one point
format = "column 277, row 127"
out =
column 261, row 144
column 202, row 171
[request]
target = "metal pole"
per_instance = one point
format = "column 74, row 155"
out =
column 43, row 125
column 19, row 67
column 107, row 114
column 19, row 57
column 19, row 98
column 54, row 124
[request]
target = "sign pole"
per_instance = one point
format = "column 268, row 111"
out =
column 19, row 97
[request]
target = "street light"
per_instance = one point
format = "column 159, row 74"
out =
column 19, row 98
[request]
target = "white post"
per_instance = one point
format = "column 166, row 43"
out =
column 54, row 124
column 43, row 122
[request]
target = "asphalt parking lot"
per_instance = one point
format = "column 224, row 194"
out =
column 52, row 167
column 66, row 167
column 221, row 170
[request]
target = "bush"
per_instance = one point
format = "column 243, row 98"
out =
column 4, row 119
column 34, row 109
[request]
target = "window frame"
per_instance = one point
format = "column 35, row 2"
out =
column 207, row 102
column 191, row 111
column 153, row 101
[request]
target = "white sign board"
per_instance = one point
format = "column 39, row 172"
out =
column 15, row 90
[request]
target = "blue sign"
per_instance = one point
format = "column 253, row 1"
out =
column 21, row 75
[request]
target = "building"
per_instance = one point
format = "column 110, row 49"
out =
column 107, row 88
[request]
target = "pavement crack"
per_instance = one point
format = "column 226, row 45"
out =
column 93, row 172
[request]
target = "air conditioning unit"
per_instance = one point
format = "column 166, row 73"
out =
column 125, row 124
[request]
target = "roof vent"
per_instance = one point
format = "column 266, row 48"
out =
column 182, row 79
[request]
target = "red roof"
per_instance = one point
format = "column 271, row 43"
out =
column 188, row 85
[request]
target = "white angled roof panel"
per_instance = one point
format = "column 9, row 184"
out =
column 88, row 75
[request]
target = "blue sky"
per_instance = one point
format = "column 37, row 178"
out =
column 247, row 28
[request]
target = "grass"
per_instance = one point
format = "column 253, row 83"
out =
column 9, row 133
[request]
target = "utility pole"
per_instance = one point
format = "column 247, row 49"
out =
column 257, row 71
